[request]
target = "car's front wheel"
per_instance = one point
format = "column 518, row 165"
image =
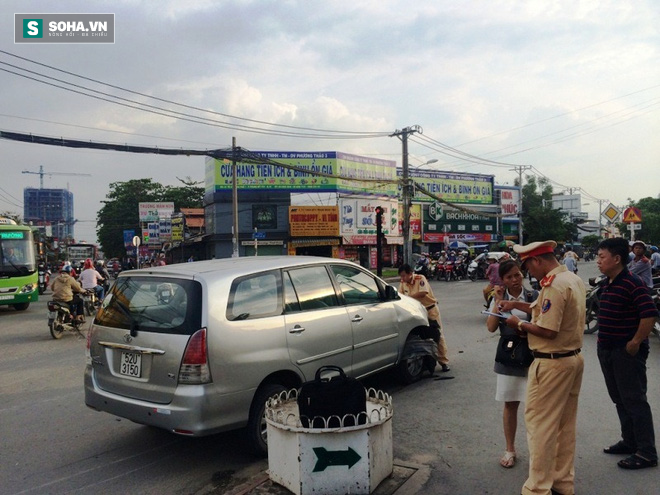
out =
column 256, row 427
column 412, row 368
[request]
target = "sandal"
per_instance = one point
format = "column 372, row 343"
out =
column 508, row 460
column 636, row 462
column 619, row 448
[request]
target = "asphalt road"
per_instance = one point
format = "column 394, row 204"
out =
column 51, row 443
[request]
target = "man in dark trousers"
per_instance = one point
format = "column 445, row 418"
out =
column 625, row 319
column 555, row 376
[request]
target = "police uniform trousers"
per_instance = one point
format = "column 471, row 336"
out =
column 553, row 386
column 434, row 314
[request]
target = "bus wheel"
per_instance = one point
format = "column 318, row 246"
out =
column 21, row 306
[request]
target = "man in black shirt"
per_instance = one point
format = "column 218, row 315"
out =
column 625, row 319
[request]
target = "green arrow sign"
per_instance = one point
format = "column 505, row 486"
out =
column 334, row 458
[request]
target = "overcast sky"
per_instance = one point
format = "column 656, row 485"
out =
column 571, row 88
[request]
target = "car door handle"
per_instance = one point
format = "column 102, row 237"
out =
column 357, row 319
column 297, row 329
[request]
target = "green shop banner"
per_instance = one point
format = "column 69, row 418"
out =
column 439, row 219
column 453, row 187
column 317, row 172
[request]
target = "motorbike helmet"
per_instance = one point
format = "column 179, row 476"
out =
column 99, row 262
column 640, row 243
column 66, row 268
column 654, row 249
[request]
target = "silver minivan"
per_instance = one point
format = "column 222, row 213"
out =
column 198, row 348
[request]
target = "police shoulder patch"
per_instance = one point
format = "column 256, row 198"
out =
column 545, row 307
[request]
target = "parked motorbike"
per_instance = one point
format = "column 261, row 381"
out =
column 593, row 303
column 61, row 319
column 44, row 278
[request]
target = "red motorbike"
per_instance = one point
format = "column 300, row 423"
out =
column 449, row 271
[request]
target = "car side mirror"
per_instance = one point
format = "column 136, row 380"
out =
column 391, row 293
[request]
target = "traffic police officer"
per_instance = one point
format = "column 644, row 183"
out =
column 555, row 377
column 417, row 287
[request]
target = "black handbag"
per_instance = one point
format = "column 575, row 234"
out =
column 331, row 399
column 514, row 351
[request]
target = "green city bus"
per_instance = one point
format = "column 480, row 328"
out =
column 19, row 276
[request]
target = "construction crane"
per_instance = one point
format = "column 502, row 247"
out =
column 41, row 174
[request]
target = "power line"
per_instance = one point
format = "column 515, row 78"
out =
column 305, row 132
column 561, row 115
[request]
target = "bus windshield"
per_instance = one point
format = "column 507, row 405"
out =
column 16, row 253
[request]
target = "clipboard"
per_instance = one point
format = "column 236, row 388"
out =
column 489, row 313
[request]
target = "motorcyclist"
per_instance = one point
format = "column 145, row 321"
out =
column 100, row 267
column 655, row 260
column 66, row 290
column 91, row 279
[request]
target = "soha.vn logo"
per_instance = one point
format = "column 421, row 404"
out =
column 33, row 28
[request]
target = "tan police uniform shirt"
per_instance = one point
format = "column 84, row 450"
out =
column 560, row 307
column 421, row 287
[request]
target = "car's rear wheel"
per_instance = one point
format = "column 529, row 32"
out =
column 256, row 427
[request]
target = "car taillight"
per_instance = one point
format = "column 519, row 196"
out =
column 194, row 366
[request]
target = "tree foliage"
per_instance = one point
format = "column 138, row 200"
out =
column 541, row 222
column 14, row 216
column 591, row 241
column 120, row 208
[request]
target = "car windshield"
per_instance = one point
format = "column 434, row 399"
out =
column 164, row 305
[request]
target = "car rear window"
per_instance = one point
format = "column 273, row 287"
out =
column 161, row 305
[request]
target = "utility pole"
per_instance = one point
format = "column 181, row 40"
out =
column 520, row 169
column 406, row 190
column 234, row 199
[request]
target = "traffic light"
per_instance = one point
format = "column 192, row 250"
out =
column 379, row 216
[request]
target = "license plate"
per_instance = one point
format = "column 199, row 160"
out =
column 51, row 315
column 131, row 364
column 6, row 298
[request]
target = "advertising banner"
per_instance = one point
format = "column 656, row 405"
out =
column 453, row 187
column 177, row 228
column 459, row 225
column 313, row 221
column 366, row 172
column 358, row 216
column 153, row 229
column 165, row 230
column 510, row 200
column 415, row 221
column 152, row 212
column 128, row 238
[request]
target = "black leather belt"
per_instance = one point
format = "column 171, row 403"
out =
column 556, row 355
column 428, row 308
